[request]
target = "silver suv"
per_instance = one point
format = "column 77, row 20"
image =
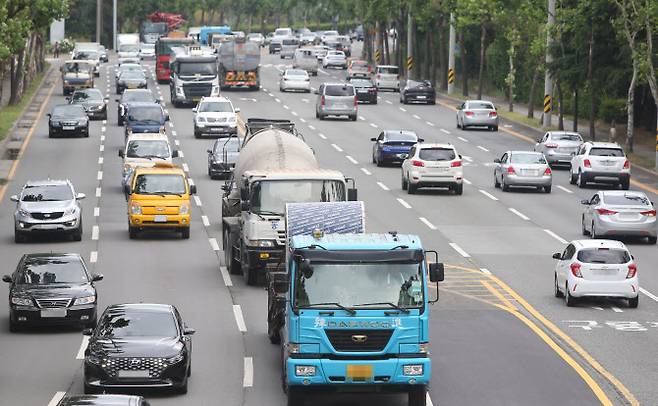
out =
column 336, row 99
column 47, row 206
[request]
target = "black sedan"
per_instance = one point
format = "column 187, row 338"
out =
column 418, row 91
column 51, row 289
column 133, row 96
column 223, row 156
column 132, row 79
column 138, row 346
column 103, row 400
column 68, row 120
column 366, row 91
column 92, row 101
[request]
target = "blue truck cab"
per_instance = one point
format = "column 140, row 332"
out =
column 207, row 31
column 352, row 313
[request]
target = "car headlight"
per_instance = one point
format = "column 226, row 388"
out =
column 135, row 209
column 304, row 370
column 56, row 124
column 232, row 119
column 176, row 358
column 179, row 90
column 200, row 119
column 21, row 301
column 261, row 243
column 24, row 213
column 412, row 370
column 82, row 122
column 66, row 82
column 184, row 208
column 84, row 300
column 70, row 211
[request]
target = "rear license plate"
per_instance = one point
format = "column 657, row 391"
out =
column 68, row 128
column 133, row 374
column 160, row 218
column 53, row 313
column 530, row 172
column 196, row 99
column 359, row 372
column 607, row 163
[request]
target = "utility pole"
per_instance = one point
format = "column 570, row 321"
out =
column 114, row 25
column 410, row 41
column 99, row 19
column 548, row 81
column 451, row 55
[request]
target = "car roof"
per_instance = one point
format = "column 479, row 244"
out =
column 214, row 99
column 434, row 145
column 603, row 144
column 144, row 104
column 147, row 136
column 47, row 182
column 147, row 307
column 337, row 84
column 590, row 243
column 129, row 65
column 479, row 101
column 621, row 193
column 563, row 132
column 397, row 132
column 100, row 400
column 525, row 152
column 387, row 66
column 160, row 168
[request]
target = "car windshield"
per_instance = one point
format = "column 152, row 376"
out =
column 296, row 72
column 335, row 54
column 289, row 42
column 47, row 193
column 160, row 184
column 216, row 107
column 437, row 154
column 566, row 137
column 132, row 75
column 401, row 136
column 391, row 70
column 361, row 82
column 521, row 158
column 272, row 196
column 338, row 90
column 143, row 113
column 147, row 149
column 49, row 270
column 481, row 105
column 627, row 199
column 231, row 144
column 419, row 83
column 86, row 95
column 615, row 152
column 86, row 55
column 76, row 67
column 354, row 284
column 128, row 67
column 603, row 256
column 134, row 323
column 69, row 111
column 138, row 96
column 129, row 48
column 197, row 68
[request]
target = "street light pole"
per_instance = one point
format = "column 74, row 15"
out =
column 114, row 25
column 99, row 21
column 451, row 55
column 548, row 81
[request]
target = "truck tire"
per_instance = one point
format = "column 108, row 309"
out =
column 295, row 396
column 418, row 396
column 231, row 264
column 249, row 274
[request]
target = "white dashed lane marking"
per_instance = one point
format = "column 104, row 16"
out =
column 459, row 250
column 95, row 231
column 403, row 203
column 518, row 213
column 225, row 276
column 349, row 158
column 489, row 195
column 213, row 244
column 557, row 237
column 204, row 220
column 483, row 148
column 427, row 223
column 337, row 148
column 367, row 172
column 383, row 186
column 239, row 319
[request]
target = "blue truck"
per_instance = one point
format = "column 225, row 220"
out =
column 351, row 309
column 207, row 31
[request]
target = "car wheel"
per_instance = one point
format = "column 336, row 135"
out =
column 625, row 184
column 459, row 189
column 19, row 236
column 572, row 178
column 459, row 126
column 547, row 189
column 13, row 326
column 185, row 233
column 503, row 184
column 404, row 182
column 295, row 396
column 496, row 183
column 652, row 240
column 412, row 189
column 77, row 234
column 353, row 118
column 568, row 299
column 580, row 180
column 494, row 128
column 378, row 161
column 231, row 264
column 582, row 226
column 557, row 292
column 632, row 303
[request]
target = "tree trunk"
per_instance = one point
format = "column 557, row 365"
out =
column 386, row 52
column 431, row 57
column 590, row 83
column 533, row 87
column 483, row 38
column 510, row 78
column 630, row 108
column 462, row 59
column 250, row 20
column 651, row 75
column 560, row 110
column 442, row 82
column 575, row 109
column 203, row 16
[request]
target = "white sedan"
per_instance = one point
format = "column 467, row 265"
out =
column 596, row 268
column 335, row 59
column 295, row 79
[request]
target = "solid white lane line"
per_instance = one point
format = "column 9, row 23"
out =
column 186, row 168
column 324, row 137
column 205, row 221
column 483, row 148
column 468, row 182
column 429, row 123
column 213, row 244
column 564, row 189
column 367, row 172
column 463, row 139
column 225, row 276
column 404, row 203
column 485, row 271
column 557, row 237
column 337, row 148
column 97, row 211
column 402, row 109
column 94, row 233
column 649, row 294
column 197, row 200
column 459, row 250
column 349, row 158
column 93, row 257
column 57, row 397
column 617, row 310
column 489, row 195
column 383, row 186
column 518, row 213
column 443, row 130
column 100, row 160
column 239, row 319
column 311, row 127
column 181, row 154
column 427, row 223
column 98, row 192
column 373, row 125
column 83, row 347
column 416, row 116
column 248, row 378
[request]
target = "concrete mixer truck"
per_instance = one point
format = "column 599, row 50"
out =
column 275, row 167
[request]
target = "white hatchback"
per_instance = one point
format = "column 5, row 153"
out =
column 433, row 165
column 596, row 268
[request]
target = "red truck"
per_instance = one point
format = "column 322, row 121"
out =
column 163, row 52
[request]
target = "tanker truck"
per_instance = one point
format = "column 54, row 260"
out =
column 275, row 167
column 238, row 64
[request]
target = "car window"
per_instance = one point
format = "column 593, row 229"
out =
column 381, row 137
column 567, row 137
column 158, row 184
column 568, row 252
column 503, row 159
column 148, row 149
column 480, row 105
column 231, row 144
column 86, row 95
column 215, row 107
column 147, row 114
column 296, row 72
column 69, row 111
column 613, row 256
column 401, row 136
column 614, row 152
column 595, row 200
column 46, row 193
column 437, row 154
column 412, row 151
column 392, row 70
column 119, row 323
column 627, row 199
column 338, row 90
column 523, row 158
column 49, row 270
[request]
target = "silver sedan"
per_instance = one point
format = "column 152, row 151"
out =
column 523, row 168
column 619, row 213
column 477, row 113
column 559, row 146
column 295, row 79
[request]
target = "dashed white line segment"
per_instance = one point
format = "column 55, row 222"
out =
column 239, row 319
column 459, row 250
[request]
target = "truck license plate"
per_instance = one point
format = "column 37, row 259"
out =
column 359, row 372
column 160, row 218
column 53, row 313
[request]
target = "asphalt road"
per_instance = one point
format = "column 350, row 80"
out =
column 499, row 337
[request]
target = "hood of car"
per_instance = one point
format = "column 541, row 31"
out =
column 55, row 290
column 47, row 207
column 164, row 347
column 215, row 115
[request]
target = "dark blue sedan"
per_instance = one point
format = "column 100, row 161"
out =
column 392, row 146
column 144, row 117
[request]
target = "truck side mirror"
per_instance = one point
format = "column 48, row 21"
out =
column 192, row 189
column 351, row 194
column 437, row 272
column 126, row 189
column 279, row 283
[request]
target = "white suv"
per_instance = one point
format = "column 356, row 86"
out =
column 603, row 162
column 596, row 268
column 215, row 116
column 433, row 165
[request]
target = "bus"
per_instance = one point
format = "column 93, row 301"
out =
column 162, row 54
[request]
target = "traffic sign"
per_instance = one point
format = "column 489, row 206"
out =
column 410, row 63
column 548, row 102
column 451, row 76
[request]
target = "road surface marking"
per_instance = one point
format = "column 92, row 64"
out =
column 443, row 130
column 58, row 396
column 248, row 378
column 485, row 271
column 285, row 106
column 97, row 211
column 83, row 348
column 383, row 186
column 225, row 276
column 186, row 168
column 404, row 203
column 177, row 143
column 564, row 189
column 367, row 172
column 467, row 158
column 93, row 257
column 94, row 233
column 98, row 192
column 362, row 118
column 213, row 244
column 387, row 101
column 102, row 130
column 373, row 125
column 101, row 148
column 294, row 113
column 276, row 99
column 302, row 120
column 416, row 116
column 174, row 133
column 459, row 250
column 171, row 125
column 489, row 195
column 205, row 221
column 427, row 223
column 197, row 200
column 557, row 237
column 518, row 213
column 463, row 139
column 483, row 148
column 181, row 154
column 337, row 148
column 237, row 312
column 102, row 137
column 311, row 127
column 402, row 109
column 468, row 182
column 324, row 137
column 428, row 400
column 349, row 158
column 104, row 122
column 429, row 123
column 100, row 160
column 617, row 310
column 649, row 294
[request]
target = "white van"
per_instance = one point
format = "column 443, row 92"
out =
column 387, row 77
column 305, row 59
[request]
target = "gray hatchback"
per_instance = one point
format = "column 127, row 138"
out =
column 336, row 99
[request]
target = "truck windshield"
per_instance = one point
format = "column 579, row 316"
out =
column 355, row 285
column 160, row 184
column 197, row 68
column 272, row 196
column 148, row 149
column 129, row 48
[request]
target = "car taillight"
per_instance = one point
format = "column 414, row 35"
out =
column 469, row 113
column 456, row 164
column 322, row 100
column 605, row 212
column 551, row 146
column 575, row 270
column 493, row 114
column 511, row 170
column 587, row 163
column 648, row 213
column 417, row 163
column 548, row 171
column 356, row 100
column 632, row 271
column 627, row 164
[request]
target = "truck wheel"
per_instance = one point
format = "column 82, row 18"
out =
column 231, row 264
column 295, row 396
column 418, row 396
column 132, row 232
column 185, row 233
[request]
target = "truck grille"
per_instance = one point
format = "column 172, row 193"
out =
column 343, row 340
column 155, row 366
column 193, row 90
column 47, row 216
column 53, row 303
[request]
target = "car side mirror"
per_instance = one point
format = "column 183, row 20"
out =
column 421, row 139
column 209, row 151
column 352, row 194
column 188, row 331
column 49, row 115
column 14, row 198
column 6, row 278
column 225, row 187
column 97, row 277
column 192, row 189
column 497, row 160
column 437, row 272
column 194, row 110
column 373, row 139
column 237, row 109
column 80, row 196
column 174, row 153
column 120, row 153
column 585, row 202
column 557, row 255
column 88, row 331
column 538, row 140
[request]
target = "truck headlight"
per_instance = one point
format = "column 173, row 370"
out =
column 21, row 301
column 135, row 209
column 84, row 300
column 304, row 370
column 215, row 90
column 293, row 348
column 261, row 243
column 412, row 370
column 179, row 90
column 184, row 208
column 424, row 348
